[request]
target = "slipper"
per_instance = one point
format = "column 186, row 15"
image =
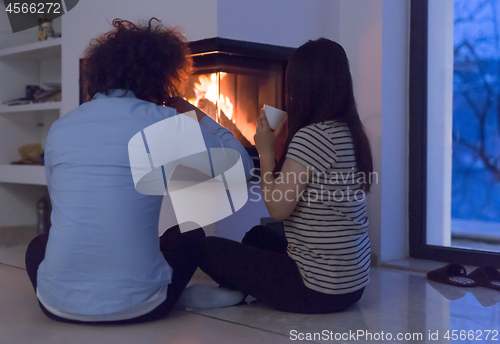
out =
column 486, row 276
column 454, row 274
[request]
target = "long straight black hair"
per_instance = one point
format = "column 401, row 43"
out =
column 319, row 88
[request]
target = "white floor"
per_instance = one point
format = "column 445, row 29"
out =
column 397, row 302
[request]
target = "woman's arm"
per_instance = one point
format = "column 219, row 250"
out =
column 280, row 194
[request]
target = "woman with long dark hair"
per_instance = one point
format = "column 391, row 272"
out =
column 318, row 188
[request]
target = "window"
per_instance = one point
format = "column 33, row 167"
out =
column 455, row 131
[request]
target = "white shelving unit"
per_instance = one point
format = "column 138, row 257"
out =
column 23, row 174
column 37, row 107
column 36, row 63
column 43, row 50
column 28, row 64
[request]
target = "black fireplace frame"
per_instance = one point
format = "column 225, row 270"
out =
column 214, row 54
column 243, row 48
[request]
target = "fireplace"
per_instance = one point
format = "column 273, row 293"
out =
column 232, row 81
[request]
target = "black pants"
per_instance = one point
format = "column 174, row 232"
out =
column 260, row 266
column 177, row 248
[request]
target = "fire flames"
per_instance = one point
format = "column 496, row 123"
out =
column 221, row 108
column 208, row 88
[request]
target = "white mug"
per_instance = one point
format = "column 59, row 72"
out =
column 274, row 116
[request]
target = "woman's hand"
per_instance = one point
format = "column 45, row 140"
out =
column 265, row 138
column 281, row 138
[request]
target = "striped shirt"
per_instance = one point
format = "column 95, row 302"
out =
column 327, row 232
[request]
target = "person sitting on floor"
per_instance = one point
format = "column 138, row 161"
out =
column 322, row 263
column 102, row 260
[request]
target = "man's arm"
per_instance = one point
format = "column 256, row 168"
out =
column 183, row 106
column 215, row 135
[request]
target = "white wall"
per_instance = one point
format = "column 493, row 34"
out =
column 360, row 34
column 287, row 23
column 395, row 146
column 440, row 122
column 375, row 36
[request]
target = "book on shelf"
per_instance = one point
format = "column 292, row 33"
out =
column 51, row 92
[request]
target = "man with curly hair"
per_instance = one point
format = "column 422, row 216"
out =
column 103, row 260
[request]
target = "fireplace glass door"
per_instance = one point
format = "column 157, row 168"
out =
column 234, row 97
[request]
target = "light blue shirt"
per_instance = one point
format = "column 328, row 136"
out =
column 103, row 251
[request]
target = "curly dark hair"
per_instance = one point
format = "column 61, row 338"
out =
column 152, row 61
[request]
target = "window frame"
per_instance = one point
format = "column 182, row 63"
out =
column 418, row 153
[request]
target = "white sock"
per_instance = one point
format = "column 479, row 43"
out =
column 203, row 297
